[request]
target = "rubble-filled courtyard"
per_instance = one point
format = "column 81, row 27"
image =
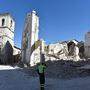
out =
column 15, row 78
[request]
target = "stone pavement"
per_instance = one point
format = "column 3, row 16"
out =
column 15, row 79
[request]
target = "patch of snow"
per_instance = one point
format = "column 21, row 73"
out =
column 7, row 67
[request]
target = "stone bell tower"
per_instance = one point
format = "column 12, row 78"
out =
column 7, row 26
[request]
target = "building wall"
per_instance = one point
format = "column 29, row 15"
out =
column 6, row 29
column 7, row 26
column 30, row 36
column 16, row 51
column 35, row 28
column 7, row 35
column 8, row 23
column 87, row 45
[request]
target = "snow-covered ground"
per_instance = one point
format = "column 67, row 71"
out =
column 7, row 67
column 15, row 79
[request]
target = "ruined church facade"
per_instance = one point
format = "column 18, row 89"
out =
column 33, row 47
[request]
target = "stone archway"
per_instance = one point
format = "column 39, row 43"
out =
column 71, row 46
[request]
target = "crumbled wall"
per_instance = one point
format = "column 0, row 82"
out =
column 59, row 51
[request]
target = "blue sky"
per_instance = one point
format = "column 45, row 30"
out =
column 59, row 19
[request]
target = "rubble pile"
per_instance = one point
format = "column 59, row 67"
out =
column 62, row 69
column 67, row 50
column 66, row 69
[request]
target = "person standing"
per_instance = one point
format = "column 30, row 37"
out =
column 41, row 72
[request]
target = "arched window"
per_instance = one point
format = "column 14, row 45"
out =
column 11, row 24
column 3, row 22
